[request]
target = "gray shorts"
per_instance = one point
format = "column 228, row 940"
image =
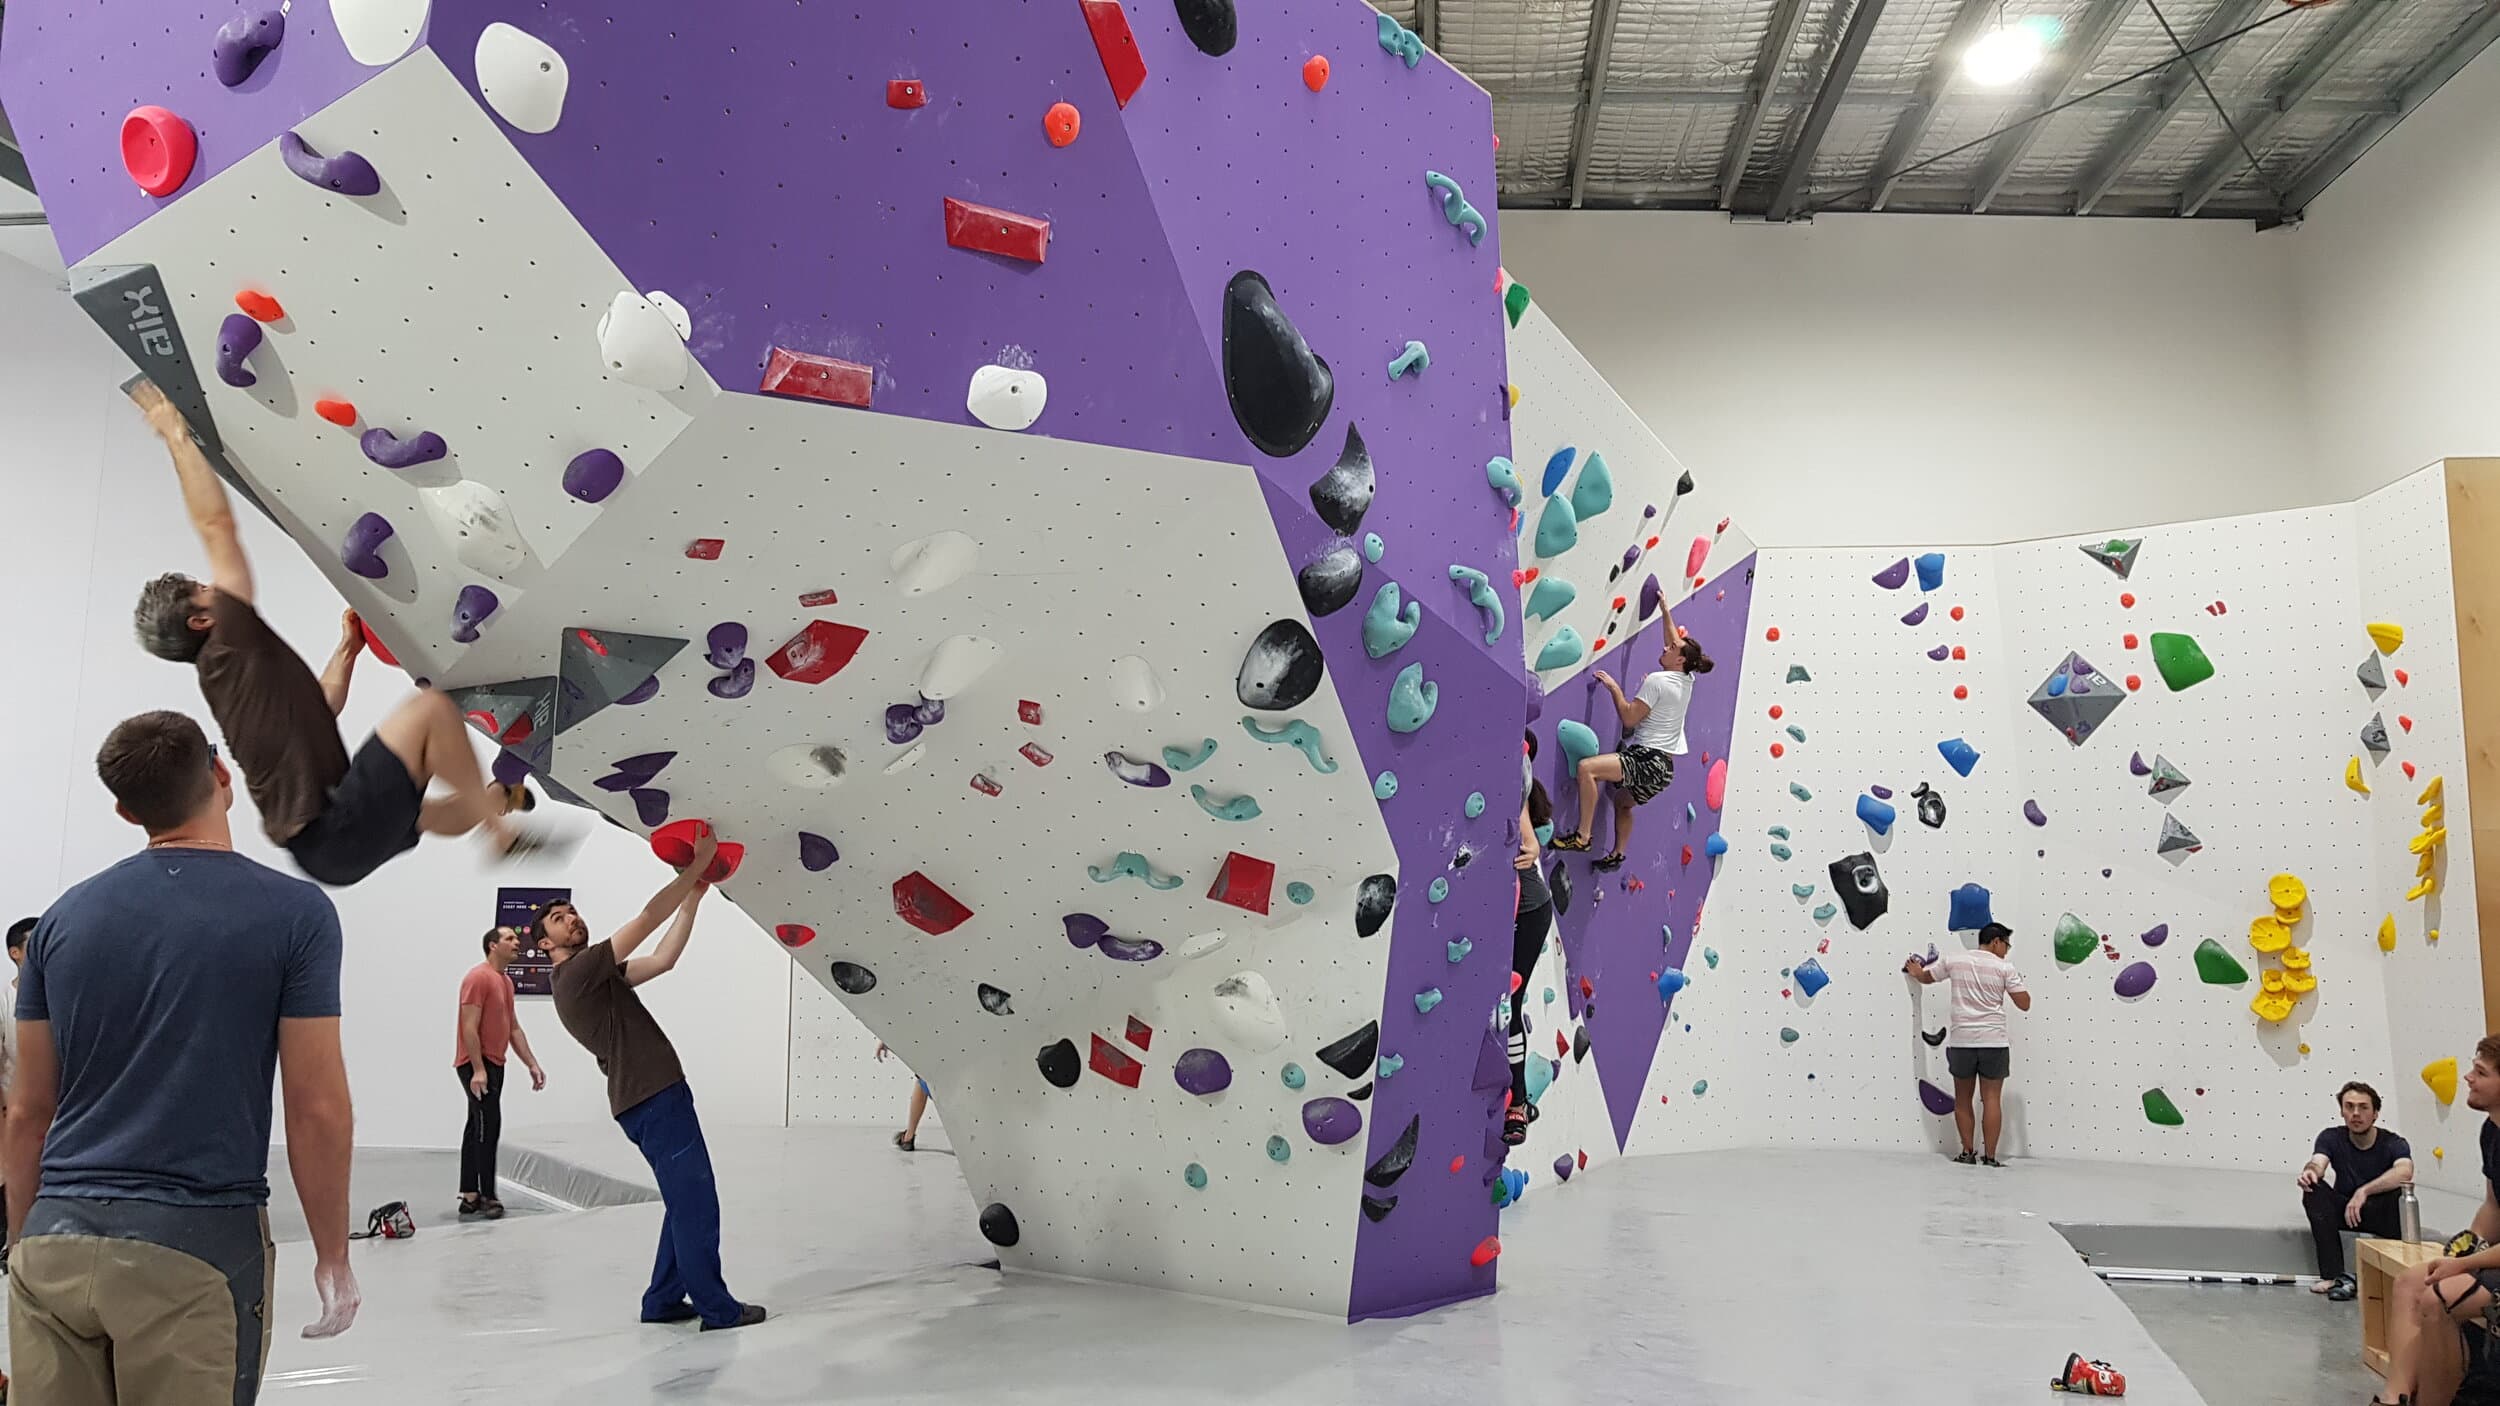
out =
column 1988, row 1062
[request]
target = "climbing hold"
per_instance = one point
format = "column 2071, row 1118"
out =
column 1460, row 948
column 1959, row 755
column 1937, row 1101
column 800, row 376
column 2387, row 933
column 1202, row 1072
column 1784, row 852
column 345, row 174
column 1475, row 804
column 1396, row 39
column 1439, row 889
column 158, row 150
column 1132, row 865
column 470, row 610
column 1700, row 1087
column 1800, row 792
column 1515, row 300
column 1006, row 397
column 2176, row 838
column 985, row 229
column 1552, row 593
column 1917, row 615
column 906, row 94
column 1930, row 806
column 1385, row 785
column 1386, row 628
column 1595, row 492
column 593, row 474
column 1797, row 674
column 1281, row 669
column 1114, row 1063
column 1715, row 846
column 2268, row 933
column 2372, row 673
column 1876, row 815
column 2181, row 662
column 2033, row 813
column 1389, row 1064
column 1351, row 1054
column 362, row 551
column 1561, row 651
column 1343, row 494
column 1811, row 977
column 819, row 651
column 1244, row 882
column 1930, row 571
column 1714, row 784
column 1480, row 592
column 1237, row 809
column 1860, row 889
column 2388, row 638
column 1557, row 531
column 1416, row 357
column 2074, row 940
column 639, row 345
column 480, row 526
column 392, row 452
column 2159, row 1109
column 1671, row 981
column 2441, row 1076
column 2167, row 779
column 816, row 853
column 1694, row 556
column 998, row 1225
column 1329, row 581
column 1280, row 389
column 1137, row 773
column 1895, row 576
column 1455, row 209
column 2135, row 979
column 1412, row 701
column 338, row 412
column 1426, row 999
column 920, row 902
column 2353, row 778
column 1504, row 478
column 2118, row 554
column 521, row 77
column 242, row 42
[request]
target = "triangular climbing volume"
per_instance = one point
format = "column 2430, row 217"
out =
column 602, row 666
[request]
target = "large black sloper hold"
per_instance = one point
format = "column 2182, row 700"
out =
column 1280, row 389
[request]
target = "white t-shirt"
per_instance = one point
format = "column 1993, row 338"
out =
column 1981, row 982
column 1667, row 695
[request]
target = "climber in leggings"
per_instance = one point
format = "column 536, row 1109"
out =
column 1653, row 737
column 1527, row 943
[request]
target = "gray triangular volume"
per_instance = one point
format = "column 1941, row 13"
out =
column 520, row 715
column 2374, row 733
column 2373, row 674
column 2167, row 779
column 601, row 666
column 2076, row 703
column 2118, row 554
column 2177, row 838
column 129, row 302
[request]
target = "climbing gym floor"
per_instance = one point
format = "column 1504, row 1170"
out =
column 1718, row 1279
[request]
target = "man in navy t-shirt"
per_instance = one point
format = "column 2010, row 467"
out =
column 2349, row 1183
column 158, row 1001
column 2440, row 1318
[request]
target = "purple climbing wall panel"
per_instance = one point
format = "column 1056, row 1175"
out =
column 71, row 70
column 1613, row 931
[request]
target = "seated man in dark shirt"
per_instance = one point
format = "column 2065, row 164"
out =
column 2350, row 1183
column 340, row 818
column 2441, row 1315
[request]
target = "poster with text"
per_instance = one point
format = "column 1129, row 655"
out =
column 532, row 974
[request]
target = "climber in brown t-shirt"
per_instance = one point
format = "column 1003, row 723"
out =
column 341, row 817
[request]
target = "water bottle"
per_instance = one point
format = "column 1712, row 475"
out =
column 2408, row 1215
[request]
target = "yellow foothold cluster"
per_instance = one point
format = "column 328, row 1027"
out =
column 2441, row 1075
column 2279, row 989
column 2426, row 845
column 2269, row 934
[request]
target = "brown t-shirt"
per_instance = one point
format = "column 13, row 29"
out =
column 596, row 1003
column 276, row 720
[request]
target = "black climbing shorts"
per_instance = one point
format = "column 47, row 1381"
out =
column 371, row 816
column 1991, row 1062
column 1646, row 772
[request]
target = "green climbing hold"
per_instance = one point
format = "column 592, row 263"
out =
column 1779, row 832
column 1504, row 476
column 1411, row 700
column 1797, row 674
column 1238, row 808
column 1824, row 913
column 2159, row 1109
column 1299, row 893
column 2215, row 966
column 1515, row 301
column 1800, row 792
column 1782, row 852
column 1373, row 548
column 1128, row 864
column 2181, row 662
column 1292, row 1075
column 1440, row 890
column 1552, row 593
column 1387, row 628
column 1279, row 1150
column 1296, row 734
column 1195, row 1175
column 2075, row 940
column 1802, row 890
column 1480, row 590
column 1562, row 651
column 1386, row 785
column 1578, row 743
column 1711, row 956
column 1182, row 759
column 1475, row 804
column 1595, row 492
column 1797, row 733
column 1557, row 531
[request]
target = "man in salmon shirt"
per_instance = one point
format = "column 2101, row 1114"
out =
column 488, row 1028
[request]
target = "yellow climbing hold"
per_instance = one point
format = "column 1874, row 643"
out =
column 2431, row 792
column 2388, row 638
column 2268, row 934
column 2287, row 891
column 2422, row 867
column 2387, row 933
column 1514, row 397
column 2436, row 815
column 2422, row 844
column 2300, row 983
column 2273, row 1006
column 2441, row 1075
column 2352, row 777
column 2440, row 1152
column 2304, row 1049
column 2296, row 959
column 2432, row 935
column 2422, row 890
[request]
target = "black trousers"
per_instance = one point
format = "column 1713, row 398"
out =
column 1527, row 943
column 2325, row 1206
column 477, row 1144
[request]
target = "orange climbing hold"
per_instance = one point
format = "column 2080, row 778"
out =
column 259, row 307
column 1062, row 123
column 158, row 149
column 1315, row 72
column 337, row 412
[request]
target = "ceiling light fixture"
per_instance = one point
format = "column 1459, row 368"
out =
column 2007, row 53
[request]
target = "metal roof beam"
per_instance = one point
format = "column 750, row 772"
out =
column 1593, row 87
column 1428, row 23
column 1759, row 86
column 2359, row 18
column 2148, row 123
column 2417, row 90
column 1844, row 66
column 1896, row 98
column 2091, row 36
column 1912, row 128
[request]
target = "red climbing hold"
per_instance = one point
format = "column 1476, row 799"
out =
column 986, row 229
column 795, row 934
column 2127, row 599
column 1961, row 692
column 259, row 307
column 1244, row 882
column 1959, row 653
column 1062, row 123
column 674, row 843
column 1599, row 647
column 1586, row 989
column 1114, row 1063
column 920, row 902
column 1779, row 749
column 982, row 782
column 2131, row 641
column 1458, row 1164
column 2408, row 766
column 1777, row 712
column 337, row 412
column 1517, row 981
column 2403, row 678
column 1584, row 1159
column 2404, row 722
column 1957, row 612
column 812, row 377
column 1619, row 602
column 2134, row 682
column 818, row 652
column 1121, row 62
column 1315, row 72
column 1036, row 753
column 1688, row 854
column 1029, row 711
column 813, row 598
column 1772, row 634
column 1487, row 1251
column 158, row 149
column 905, row 92
column 1140, row 1033
column 705, row 548
column 374, row 642
column 1562, row 1043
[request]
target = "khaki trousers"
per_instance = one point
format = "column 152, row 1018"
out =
column 138, row 1303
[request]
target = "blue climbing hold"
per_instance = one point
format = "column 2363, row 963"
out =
column 1386, row 785
column 1930, row 571
column 1578, row 743
column 1959, row 755
column 1562, row 651
column 1504, row 477
column 1802, row 891
column 1671, row 981
column 1480, row 590
column 1386, row 628
column 1715, row 846
column 1595, row 492
column 1426, row 999
column 1299, row 893
column 1475, row 804
column 1279, row 1150
column 2057, row 684
column 1969, row 910
column 1788, row 1034
column 1374, row 548
column 1414, row 358
column 1396, row 39
column 1797, row 733
column 1179, row 759
column 1296, row 734
column 1811, row 977
column 1552, row 593
column 1514, row 1184
column 1700, row 1087
column 1540, row 1078
column 1556, row 469
column 1711, row 956
column 1877, row 815
column 1777, row 832
column 1454, row 207
column 1439, row 890
column 1412, row 700
column 1545, row 833
column 1557, row 531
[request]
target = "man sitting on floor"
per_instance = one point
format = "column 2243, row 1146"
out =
column 2350, row 1182
column 2441, row 1316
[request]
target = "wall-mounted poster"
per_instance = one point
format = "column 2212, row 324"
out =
column 532, row 974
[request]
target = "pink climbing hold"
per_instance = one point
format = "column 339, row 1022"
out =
column 1714, row 789
column 158, row 150
column 1696, row 555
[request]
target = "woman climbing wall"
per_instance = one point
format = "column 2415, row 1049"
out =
column 1527, row 943
column 1653, row 737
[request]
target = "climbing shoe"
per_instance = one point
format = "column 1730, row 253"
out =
column 1573, row 843
column 2089, row 1378
column 2343, row 1290
column 1607, row 865
column 1968, row 1159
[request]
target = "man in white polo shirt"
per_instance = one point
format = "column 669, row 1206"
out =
column 1977, row 1047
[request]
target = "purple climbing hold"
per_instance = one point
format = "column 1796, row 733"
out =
column 2079, row 668
column 1895, row 576
column 1084, row 929
column 1562, row 1167
column 642, row 692
column 362, row 551
column 726, row 644
column 930, row 712
column 346, row 173
column 242, row 42
column 900, row 725
column 2136, row 979
column 1937, row 1100
column 237, row 338
column 1651, row 597
column 392, row 452
column 593, row 475
column 1330, row 1121
column 1882, row 793
column 2156, row 935
column 1202, row 1072
column 509, row 770
column 1121, row 949
column 2033, row 813
column 635, row 771
column 1917, row 616
column 2135, row 763
column 1631, row 554
column 1940, row 653
column 651, row 805
column 470, row 611
column 735, row 683
column 816, row 853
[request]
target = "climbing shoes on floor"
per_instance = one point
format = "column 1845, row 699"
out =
column 2089, row 1378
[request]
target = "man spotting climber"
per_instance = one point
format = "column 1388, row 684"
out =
column 340, row 817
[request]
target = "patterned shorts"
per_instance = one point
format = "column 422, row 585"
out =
column 1646, row 772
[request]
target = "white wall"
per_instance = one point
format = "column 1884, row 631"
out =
column 95, row 513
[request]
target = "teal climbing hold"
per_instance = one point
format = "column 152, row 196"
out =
column 1279, row 1150
column 1414, row 358
column 1440, row 890
column 1549, row 995
column 1386, row 785
column 1292, row 1075
column 1788, row 1035
column 1578, row 743
column 1480, row 590
column 1797, row 674
column 1700, row 1087
column 1557, row 531
column 1782, row 852
column 1374, row 548
column 1129, row 864
column 1299, row 893
column 1689, row 812
column 1552, row 593
column 1779, row 832
column 1562, row 651
column 1238, row 808
column 1454, row 207
column 1459, row 950
column 1397, row 40
column 1390, row 1064
column 1545, row 833
column 1595, row 492
column 1796, row 732
column 1475, row 804
column 1802, row 890
column 1504, row 477
column 1800, row 792
column 1426, row 999
column 1195, row 1175
column 1711, row 955
column 1824, row 913
column 1296, row 734
column 1179, row 759
column 1386, row 628
column 1540, row 1078
column 1411, row 700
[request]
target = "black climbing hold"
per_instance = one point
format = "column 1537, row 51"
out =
column 1684, row 485
column 1059, row 1064
column 1861, row 889
column 1400, row 1156
column 1280, row 389
column 1930, row 806
column 1359, row 1093
column 1377, row 1209
column 1281, row 669
column 1463, row 858
column 1580, row 1041
column 998, row 1225
column 1352, row 1054
column 854, row 978
column 1209, row 25
column 1378, row 895
column 1344, row 493
column 993, row 1000
column 1331, row 581
column 1935, row 1037
column 1558, row 883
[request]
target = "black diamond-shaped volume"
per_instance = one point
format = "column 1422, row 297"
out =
column 1352, row 1055
column 1280, row 389
column 1343, row 494
column 1400, row 1156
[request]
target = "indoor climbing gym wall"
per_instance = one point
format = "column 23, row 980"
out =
column 999, row 474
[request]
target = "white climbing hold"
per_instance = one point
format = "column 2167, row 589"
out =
column 1005, row 398
column 934, row 562
column 639, row 345
column 954, row 665
column 1134, row 685
column 521, row 78
column 814, row 765
column 377, row 32
column 1246, row 1009
column 675, row 312
column 478, row 523
column 1204, row 944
